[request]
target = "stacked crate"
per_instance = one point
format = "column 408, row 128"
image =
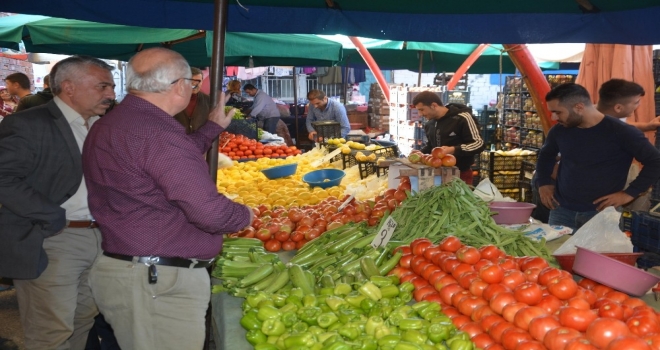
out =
column 504, row 171
column 378, row 109
column 645, row 238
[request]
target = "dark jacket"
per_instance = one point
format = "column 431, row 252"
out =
column 42, row 97
column 199, row 115
column 40, row 168
column 457, row 128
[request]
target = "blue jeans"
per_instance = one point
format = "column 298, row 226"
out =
column 569, row 218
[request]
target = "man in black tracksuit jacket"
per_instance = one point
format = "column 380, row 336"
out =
column 452, row 127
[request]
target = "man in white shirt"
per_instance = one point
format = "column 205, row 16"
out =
column 50, row 240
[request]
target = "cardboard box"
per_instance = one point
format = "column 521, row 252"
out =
column 420, row 175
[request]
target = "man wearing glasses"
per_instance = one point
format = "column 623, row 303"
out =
column 197, row 112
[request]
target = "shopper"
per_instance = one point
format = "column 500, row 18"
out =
column 620, row 98
column 8, row 103
column 596, row 152
column 40, row 98
column 162, row 217
column 49, row 239
column 233, row 95
column 18, row 85
column 452, row 127
column 263, row 108
column 321, row 108
column 197, row 112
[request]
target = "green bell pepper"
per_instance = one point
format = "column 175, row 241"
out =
column 389, row 340
column 279, row 299
column 324, row 336
column 294, row 300
column 309, row 315
column 367, row 304
column 299, row 327
column 316, row 330
column 273, row 327
column 265, row 346
column 327, row 319
column 339, row 345
column 334, row 302
column 326, row 291
column 371, row 291
column 439, row 332
column 335, row 337
column 441, row 319
column 406, row 297
column 404, row 345
column 349, row 333
column 342, row 289
column 386, row 311
column 460, row 344
column 253, row 299
column 382, row 331
column 421, row 305
column 366, row 343
column 268, row 312
column 415, row 336
column 411, row 323
column 304, row 339
column 289, row 318
column 381, row 281
column 256, row 336
column 459, row 336
column 406, row 287
column 264, row 303
column 355, row 300
column 288, row 307
column 297, row 292
column 310, row 300
column 441, row 346
column 347, row 315
column 397, row 301
column 372, row 323
column 250, row 321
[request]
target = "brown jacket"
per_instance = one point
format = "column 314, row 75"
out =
column 199, row 116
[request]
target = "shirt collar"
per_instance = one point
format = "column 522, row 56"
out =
column 70, row 114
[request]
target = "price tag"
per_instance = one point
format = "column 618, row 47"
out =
column 384, row 233
column 348, row 200
column 426, row 178
column 326, row 158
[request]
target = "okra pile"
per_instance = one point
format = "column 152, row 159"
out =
column 369, row 315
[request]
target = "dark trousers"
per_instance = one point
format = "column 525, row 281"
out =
column 270, row 125
column 101, row 336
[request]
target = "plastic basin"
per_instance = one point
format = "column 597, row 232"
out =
column 509, row 213
column 324, row 178
column 279, row 171
column 566, row 260
column 613, row 273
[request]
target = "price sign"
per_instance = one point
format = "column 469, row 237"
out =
column 426, row 178
column 327, row 158
column 384, row 233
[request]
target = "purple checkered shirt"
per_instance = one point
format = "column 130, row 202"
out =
column 149, row 185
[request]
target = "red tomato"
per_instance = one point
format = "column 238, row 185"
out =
column 507, row 263
column 432, row 297
column 405, row 260
column 263, row 234
column 490, row 252
column 541, row 325
column 495, row 346
column 514, row 336
column 513, row 278
column 301, row 243
column 445, row 281
column 532, row 274
column 528, row 293
column 578, row 319
column 462, row 268
column 494, row 289
column 419, row 283
column 448, row 160
column 409, row 277
column 616, row 296
column 491, row 273
column 501, row 300
column 429, row 270
column 603, row 330
column 435, row 276
column 273, row 245
column 450, row 311
column 653, row 341
column 400, row 272
column 580, row 343
column 419, row 245
column 466, row 278
column 497, row 329
column 601, row 290
column 489, row 321
column 472, row 329
column 482, row 311
column 457, row 298
column 634, row 302
column 450, row 244
column 536, row 262
column 530, row 345
column 611, row 309
column 642, row 326
column 467, row 305
column 288, row 245
column 477, row 287
column 449, row 264
column 548, row 274
column 509, row 312
column 282, row 236
column 563, row 288
column 587, row 283
column 416, row 261
column 469, row 255
column 525, row 315
column 431, row 251
column 459, row 320
column 448, row 291
column 419, row 265
column 628, row 343
column 557, row 338
column 482, row 340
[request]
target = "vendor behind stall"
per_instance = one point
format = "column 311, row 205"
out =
column 263, row 108
column 596, row 152
column 322, row 108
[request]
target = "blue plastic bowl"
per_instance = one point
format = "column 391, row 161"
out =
column 279, row 171
column 317, row 178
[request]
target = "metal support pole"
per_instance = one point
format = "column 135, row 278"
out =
column 295, row 105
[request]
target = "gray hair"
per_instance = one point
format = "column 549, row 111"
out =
column 72, row 68
column 159, row 77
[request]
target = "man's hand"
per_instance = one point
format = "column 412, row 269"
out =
column 616, row 199
column 218, row 114
column 448, row 149
column 654, row 123
column 547, row 194
column 312, row 135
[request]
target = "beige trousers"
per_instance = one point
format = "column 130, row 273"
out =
column 167, row 315
column 57, row 309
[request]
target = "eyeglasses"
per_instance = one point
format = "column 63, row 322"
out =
column 194, row 82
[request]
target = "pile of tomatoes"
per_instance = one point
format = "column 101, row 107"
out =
column 504, row 302
column 240, row 147
column 438, row 157
column 288, row 229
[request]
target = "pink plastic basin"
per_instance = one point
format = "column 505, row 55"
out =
column 509, row 213
column 613, row 273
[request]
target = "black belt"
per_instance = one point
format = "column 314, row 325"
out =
column 154, row 260
column 82, row 224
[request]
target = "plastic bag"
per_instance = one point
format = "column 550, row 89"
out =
column 600, row 234
column 538, row 230
column 489, row 192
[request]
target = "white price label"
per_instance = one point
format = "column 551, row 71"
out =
column 346, row 202
column 426, row 178
column 327, row 158
column 384, row 233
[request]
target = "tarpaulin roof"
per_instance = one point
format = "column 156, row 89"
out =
column 467, row 21
column 65, row 36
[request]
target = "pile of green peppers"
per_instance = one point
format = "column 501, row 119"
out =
column 369, row 316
